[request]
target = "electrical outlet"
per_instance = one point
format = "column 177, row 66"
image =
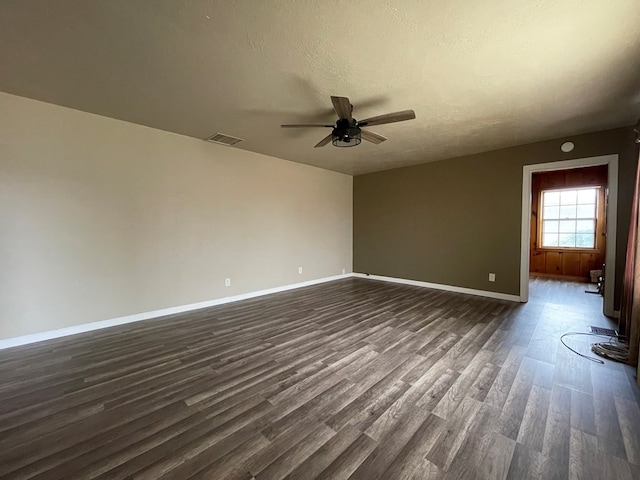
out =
column 299, row 269
column 344, row 271
column 227, row 282
column 492, row 277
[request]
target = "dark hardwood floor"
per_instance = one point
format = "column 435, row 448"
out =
column 350, row 379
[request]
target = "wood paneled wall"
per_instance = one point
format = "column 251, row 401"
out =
column 568, row 262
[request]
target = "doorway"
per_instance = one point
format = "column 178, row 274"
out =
column 611, row 162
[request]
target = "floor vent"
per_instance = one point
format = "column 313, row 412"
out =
column 609, row 332
column 223, row 139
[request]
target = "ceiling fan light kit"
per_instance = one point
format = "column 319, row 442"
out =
column 346, row 134
column 347, row 131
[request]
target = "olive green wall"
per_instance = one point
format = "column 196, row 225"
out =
column 452, row 222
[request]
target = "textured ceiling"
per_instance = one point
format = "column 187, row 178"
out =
column 479, row 74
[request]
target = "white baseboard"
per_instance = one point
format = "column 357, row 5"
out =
column 439, row 286
column 87, row 327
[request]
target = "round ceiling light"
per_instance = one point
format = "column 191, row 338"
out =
column 566, row 147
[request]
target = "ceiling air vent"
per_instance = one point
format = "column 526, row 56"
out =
column 223, row 139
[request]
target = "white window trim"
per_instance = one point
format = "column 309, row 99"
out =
column 542, row 218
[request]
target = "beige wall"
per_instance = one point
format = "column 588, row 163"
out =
column 452, row 222
column 101, row 218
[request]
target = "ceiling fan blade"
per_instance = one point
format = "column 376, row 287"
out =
column 305, row 125
column 342, row 106
column 324, row 141
column 388, row 118
column 372, row 137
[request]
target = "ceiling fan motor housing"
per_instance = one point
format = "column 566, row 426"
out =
column 346, row 133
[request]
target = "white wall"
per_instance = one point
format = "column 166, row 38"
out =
column 101, row 218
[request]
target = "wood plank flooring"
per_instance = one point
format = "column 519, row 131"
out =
column 350, row 379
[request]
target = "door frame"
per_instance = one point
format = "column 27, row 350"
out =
column 611, row 213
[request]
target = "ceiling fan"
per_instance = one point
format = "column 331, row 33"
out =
column 347, row 131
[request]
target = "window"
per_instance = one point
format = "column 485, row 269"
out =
column 568, row 218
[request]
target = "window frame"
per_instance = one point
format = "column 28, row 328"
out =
column 540, row 220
